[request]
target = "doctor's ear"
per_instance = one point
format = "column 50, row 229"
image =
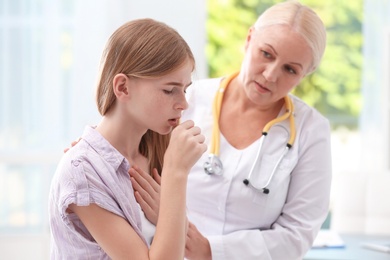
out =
column 120, row 85
column 249, row 36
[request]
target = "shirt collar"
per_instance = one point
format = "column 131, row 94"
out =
column 104, row 148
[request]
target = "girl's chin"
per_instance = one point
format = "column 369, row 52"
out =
column 165, row 131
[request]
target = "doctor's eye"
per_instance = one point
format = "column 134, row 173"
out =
column 266, row 54
column 291, row 70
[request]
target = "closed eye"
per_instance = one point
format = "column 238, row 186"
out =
column 168, row 92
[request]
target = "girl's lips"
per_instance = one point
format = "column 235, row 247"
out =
column 174, row 121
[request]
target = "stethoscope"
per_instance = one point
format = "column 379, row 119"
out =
column 214, row 164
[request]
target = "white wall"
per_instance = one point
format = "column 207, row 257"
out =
column 361, row 197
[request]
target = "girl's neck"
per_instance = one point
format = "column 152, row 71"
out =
column 122, row 135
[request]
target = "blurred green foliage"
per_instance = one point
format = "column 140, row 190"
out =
column 334, row 89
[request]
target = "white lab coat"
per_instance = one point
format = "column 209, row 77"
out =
column 243, row 223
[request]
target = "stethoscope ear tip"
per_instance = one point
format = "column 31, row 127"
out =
column 265, row 190
column 246, row 182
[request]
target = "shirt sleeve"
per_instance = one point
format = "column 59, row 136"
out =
column 82, row 185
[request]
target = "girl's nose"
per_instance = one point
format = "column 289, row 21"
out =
column 182, row 103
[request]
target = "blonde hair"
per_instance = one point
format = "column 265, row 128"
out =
column 142, row 48
column 303, row 20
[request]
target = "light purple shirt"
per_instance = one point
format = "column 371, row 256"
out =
column 93, row 171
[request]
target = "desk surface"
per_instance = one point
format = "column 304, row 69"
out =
column 351, row 251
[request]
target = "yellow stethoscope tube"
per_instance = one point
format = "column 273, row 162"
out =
column 214, row 164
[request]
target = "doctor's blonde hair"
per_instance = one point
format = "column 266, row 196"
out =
column 303, row 20
column 142, row 48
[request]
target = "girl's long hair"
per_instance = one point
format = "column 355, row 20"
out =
column 142, row 48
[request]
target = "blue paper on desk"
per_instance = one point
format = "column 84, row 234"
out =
column 327, row 238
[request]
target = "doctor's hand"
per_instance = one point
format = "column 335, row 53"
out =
column 72, row 144
column 197, row 246
column 147, row 192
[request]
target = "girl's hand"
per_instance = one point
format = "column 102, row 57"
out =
column 147, row 192
column 185, row 147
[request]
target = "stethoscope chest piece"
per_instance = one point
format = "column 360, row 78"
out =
column 213, row 165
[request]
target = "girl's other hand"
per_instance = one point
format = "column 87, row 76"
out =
column 147, row 192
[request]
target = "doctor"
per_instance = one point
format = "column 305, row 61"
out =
column 262, row 192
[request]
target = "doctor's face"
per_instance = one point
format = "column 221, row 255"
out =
column 276, row 59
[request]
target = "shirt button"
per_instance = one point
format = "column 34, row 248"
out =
column 75, row 162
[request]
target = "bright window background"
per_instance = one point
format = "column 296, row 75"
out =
column 49, row 57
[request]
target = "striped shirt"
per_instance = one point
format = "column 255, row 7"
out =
column 93, row 171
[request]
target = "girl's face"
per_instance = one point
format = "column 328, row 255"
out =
column 276, row 59
column 157, row 104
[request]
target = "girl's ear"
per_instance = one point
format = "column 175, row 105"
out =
column 120, row 86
